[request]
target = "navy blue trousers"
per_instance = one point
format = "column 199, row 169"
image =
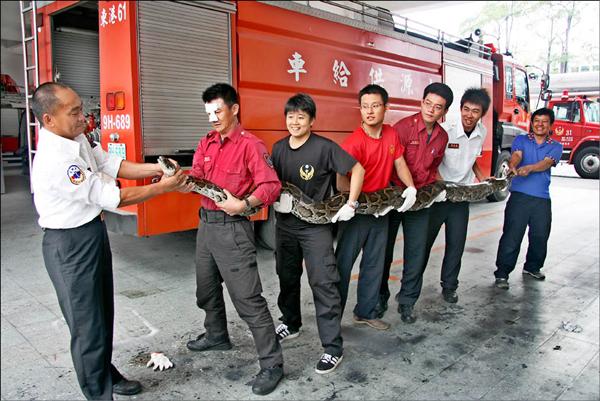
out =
column 524, row 211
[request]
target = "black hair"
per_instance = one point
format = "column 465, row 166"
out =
column 544, row 111
column 440, row 89
column 221, row 91
column 477, row 96
column 44, row 100
column 373, row 89
column 301, row 102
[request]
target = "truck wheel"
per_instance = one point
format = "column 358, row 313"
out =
column 587, row 162
column 501, row 171
column 264, row 232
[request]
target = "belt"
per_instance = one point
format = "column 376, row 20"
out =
column 96, row 219
column 218, row 216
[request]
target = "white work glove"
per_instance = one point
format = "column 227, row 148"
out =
column 410, row 197
column 284, row 204
column 160, row 361
column 441, row 197
column 345, row 213
column 384, row 212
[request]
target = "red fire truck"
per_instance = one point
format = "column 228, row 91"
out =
column 577, row 127
column 147, row 63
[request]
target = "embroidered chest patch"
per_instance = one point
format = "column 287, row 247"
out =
column 76, row 176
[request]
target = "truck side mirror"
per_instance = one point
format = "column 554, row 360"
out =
column 546, row 95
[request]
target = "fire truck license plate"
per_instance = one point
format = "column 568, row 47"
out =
column 117, row 149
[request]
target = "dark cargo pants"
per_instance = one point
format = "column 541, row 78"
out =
column 79, row 263
column 455, row 217
column 315, row 246
column 226, row 252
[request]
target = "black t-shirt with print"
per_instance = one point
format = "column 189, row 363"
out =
column 312, row 168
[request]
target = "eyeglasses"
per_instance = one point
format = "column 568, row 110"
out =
column 374, row 106
column 428, row 105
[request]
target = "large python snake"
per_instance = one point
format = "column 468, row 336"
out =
column 373, row 203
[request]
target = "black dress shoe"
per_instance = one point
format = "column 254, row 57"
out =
column 406, row 313
column 203, row 343
column 267, row 379
column 449, row 296
column 127, row 387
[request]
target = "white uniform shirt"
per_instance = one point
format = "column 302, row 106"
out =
column 461, row 152
column 68, row 189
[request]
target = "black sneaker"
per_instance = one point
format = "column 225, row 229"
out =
column 406, row 313
column 203, row 343
column 382, row 306
column 449, row 295
column 267, row 379
column 538, row 275
column 328, row 363
column 283, row 332
column 127, row 387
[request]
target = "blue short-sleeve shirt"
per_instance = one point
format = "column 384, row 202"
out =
column 536, row 183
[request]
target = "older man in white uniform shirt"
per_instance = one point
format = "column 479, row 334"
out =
column 465, row 142
column 70, row 194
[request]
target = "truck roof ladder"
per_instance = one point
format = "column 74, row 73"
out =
column 29, row 35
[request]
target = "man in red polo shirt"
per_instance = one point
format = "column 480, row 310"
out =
column 425, row 142
column 237, row 161
column 376, row 147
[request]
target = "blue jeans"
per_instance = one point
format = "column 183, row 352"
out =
column 524, row 211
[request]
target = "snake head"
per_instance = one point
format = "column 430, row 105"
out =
column 168, row 167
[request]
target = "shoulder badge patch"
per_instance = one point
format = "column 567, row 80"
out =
column 268, row 160
column 75, row 175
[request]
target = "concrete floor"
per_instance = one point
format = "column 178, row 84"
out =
column 492, row 345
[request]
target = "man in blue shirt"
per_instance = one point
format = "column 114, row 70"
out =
column 529, row 202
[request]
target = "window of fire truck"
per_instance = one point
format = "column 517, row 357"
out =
column 567, row 111
column 521, row 88
column 591, row 110
column 508, row 82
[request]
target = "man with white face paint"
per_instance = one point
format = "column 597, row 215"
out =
column 237, row 161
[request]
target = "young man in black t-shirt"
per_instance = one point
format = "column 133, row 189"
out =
column 310, row 162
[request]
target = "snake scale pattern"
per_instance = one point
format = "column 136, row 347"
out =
column 372, row 203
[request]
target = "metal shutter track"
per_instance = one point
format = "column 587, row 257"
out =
column 183, row 50
column 76, row 59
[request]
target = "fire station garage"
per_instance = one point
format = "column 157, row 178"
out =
column 140, row 70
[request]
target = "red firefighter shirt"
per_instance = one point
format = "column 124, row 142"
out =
column 240, row 163
column 422, row 157
column 376, row 155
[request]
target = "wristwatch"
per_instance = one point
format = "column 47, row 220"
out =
column 353, row 204
column 248, row 205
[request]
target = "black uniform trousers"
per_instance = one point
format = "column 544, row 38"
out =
column 314, row 244
column 524, row 211
column 226, row 252
column 415, row 226
column 455, row 217
column 79, row 262
column 366, row 233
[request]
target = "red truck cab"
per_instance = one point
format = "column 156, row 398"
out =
column 577, row 127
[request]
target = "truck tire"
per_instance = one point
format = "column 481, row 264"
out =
column 587, row 161
column 501, row 170
column 264, row 232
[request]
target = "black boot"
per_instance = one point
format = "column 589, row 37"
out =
column 267, row 379
column 406, row 313
column 127, row 387
column 203, row 343
column 450, row 295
